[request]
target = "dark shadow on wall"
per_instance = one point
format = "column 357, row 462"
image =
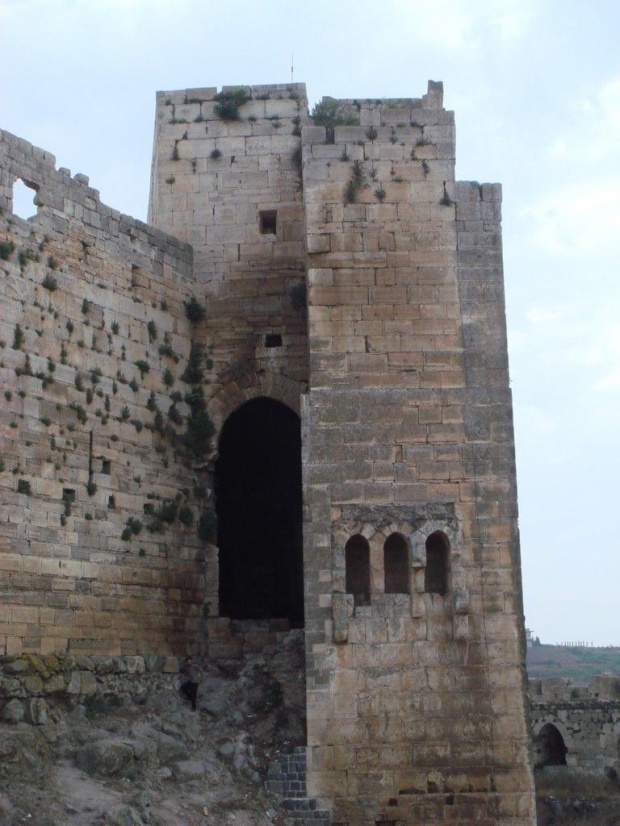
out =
column 259, row 508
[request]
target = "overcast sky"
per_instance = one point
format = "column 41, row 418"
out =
column 536, row 91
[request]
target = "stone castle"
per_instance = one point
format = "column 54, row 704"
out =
column 284, row 401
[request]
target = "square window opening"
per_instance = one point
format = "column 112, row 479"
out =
column 273, row 340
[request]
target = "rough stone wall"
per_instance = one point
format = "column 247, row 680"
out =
column 416, row 701
column 588, row 718
column 84, row 447
column 211, row 179
column 30, row 684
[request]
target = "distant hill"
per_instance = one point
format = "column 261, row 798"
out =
column 577, row 663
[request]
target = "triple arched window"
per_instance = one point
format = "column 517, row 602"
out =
column 396, row 566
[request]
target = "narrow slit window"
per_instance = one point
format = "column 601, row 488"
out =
column 106, row 466
column 268, row 222
column 437, row 563
column 357, row 569
column 111, row 503
column 396, row 564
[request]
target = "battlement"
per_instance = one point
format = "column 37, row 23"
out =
column 601, row 688
column 59, row 196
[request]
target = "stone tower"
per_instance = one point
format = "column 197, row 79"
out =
column 349, row 346
column 413, row 616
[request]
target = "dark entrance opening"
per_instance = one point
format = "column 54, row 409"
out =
column 549, row 747
column 259, row 511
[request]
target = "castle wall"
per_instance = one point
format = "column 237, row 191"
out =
column 396, row 360
column 415, row 701
column 80, row 429
column 588, row 719
column 211, row 179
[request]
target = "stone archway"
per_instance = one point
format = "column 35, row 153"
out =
column 549, row 747
column 250, row 386
column 259, row 508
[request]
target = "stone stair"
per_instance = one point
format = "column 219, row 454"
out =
column 287, row 778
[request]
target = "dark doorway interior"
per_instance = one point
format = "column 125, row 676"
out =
column 357, row 569
column 549, row 747
column 259, row 510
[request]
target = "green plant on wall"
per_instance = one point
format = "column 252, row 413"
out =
column 194, row 310
column 356, row 184
column 18, row 337
column 200, row 428
column 23, row 486
column 143, row 367
column 331, row 113
column 194, row 373
column 7, row 248
column 227, row 103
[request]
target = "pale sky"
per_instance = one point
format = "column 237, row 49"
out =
column 535, row 85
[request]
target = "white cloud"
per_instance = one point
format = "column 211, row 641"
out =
column 580, row 219
column 541, row 315
column 608, row 383
column 575, row 343
column 593, row 127
column 533, row 421
column 466, row 24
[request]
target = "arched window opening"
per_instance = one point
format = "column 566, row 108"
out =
column 259, row 513
column 396, row 564
column 437, row 562
column 549, row 747
column 23, row 199
column 357, row 569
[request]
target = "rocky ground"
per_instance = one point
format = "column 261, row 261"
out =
column 118, row 763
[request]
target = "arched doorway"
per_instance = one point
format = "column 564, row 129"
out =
column 549, row 747
column 259, row 509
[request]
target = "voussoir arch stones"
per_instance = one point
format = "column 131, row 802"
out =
column 251, row 386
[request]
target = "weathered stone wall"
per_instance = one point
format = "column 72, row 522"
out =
column 30, row 684
column 588, row 719
column 212, row 178
column 416, row 701
column 87, row 441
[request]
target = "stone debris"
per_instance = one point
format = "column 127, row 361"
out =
column 137, row 758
